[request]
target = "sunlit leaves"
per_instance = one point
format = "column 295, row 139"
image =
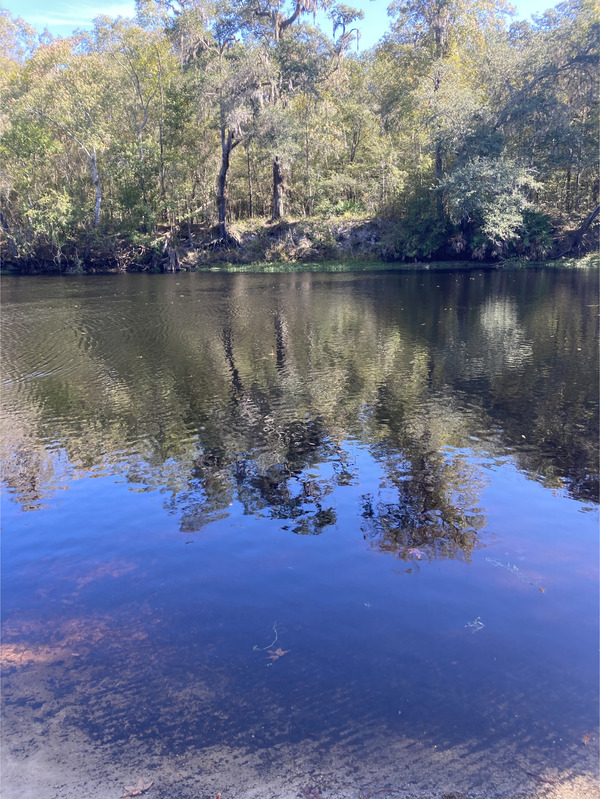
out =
column 138, row 121
column 491, row 193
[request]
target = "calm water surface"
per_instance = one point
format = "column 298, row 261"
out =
column 262, row 509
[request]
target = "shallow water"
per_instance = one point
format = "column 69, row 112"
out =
column 302, row 513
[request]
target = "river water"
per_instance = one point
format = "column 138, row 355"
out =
column 272, row 534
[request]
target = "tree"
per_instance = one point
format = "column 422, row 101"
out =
column 548, row 105
column 230, row 76
column 488, row 197
column 17, row 42
column 59, row 115
column 445, row 41
column 476, row 138
column 143, row 68
column 272, row 18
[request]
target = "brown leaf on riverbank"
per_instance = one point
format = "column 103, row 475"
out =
column 137, row 790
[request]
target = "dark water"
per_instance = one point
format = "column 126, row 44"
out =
column 255, row 509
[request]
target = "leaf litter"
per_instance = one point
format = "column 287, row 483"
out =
column 137, row 790
column 275, row 654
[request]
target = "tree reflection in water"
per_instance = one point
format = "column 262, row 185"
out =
column 244, row 387
column 434, row 513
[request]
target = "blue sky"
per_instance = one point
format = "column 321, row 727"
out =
column 61, row 17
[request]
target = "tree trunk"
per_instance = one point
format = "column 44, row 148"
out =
column 278, row 189
column 96, row 180
column 29, row 217
column 250, row 191
column 574, row 241
column 222, row 194
column 227, row 144
column 439, row 174
column 93, row 163
column 172, row 263
column 308, row 177
column 163, row 191
column 12, row 247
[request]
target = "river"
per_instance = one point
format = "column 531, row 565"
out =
column 301, row 535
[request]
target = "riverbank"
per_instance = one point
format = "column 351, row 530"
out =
column 338, row 244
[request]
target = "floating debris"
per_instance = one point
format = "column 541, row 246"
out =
column 475, row 625
column 510, row 567
column 256, row 648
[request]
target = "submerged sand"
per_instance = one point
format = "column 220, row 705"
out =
column 69, row 767
column 46, row 756
column 71, row 730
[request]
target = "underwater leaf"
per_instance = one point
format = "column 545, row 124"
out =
column 275, row 654
column 137, row 790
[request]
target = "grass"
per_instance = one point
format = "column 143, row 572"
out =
column 351, row 265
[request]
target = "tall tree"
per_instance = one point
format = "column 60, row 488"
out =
column 446, row 40
column 230, row 76
column 61, row 111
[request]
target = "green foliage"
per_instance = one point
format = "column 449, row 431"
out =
column 420, row 234
column 489, row 196
column 478, row 139
column 535, row 236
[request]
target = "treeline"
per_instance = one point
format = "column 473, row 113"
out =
column 471, row 137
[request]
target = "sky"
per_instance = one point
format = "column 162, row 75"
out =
column 61, row 17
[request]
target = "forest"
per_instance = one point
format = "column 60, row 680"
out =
column 239, row 131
